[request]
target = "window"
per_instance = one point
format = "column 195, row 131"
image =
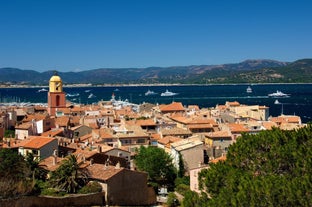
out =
column 141, row 141
column 57, row 100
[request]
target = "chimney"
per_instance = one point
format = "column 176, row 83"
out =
column 54, row 160
column 55, row 152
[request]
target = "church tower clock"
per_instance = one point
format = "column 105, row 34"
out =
column 56, row 96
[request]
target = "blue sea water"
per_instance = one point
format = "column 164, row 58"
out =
column 299, row 102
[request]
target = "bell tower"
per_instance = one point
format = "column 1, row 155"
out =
column 56, row 96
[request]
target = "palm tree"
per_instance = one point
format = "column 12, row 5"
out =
column 38, row 171
column 69, row 177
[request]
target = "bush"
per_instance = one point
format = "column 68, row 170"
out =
column 183, row 180
column 182, row 189
column 91, row 187
column 172, row 200
column 52, row 192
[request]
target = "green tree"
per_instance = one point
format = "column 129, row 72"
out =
column 272, row 168
column 9, row 133
column 69, row 177
column 181, row 170
column 14, row 174
column 191, row 199
column 158, row 164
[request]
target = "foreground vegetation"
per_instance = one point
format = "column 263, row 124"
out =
column 272, row 168
column 21, row 176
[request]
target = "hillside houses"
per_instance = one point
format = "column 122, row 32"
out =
column 125, row 127
column 105, row 137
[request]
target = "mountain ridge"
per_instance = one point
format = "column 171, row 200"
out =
column 248, row 71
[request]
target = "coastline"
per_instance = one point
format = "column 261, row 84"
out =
column 83, row 85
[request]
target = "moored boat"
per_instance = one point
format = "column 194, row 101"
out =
column 149, row 92
column 249, row 89
column 279, row 94
column 42, row 90
column 168, row 93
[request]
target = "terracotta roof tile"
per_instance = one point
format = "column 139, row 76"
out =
column 219, row 159
column 233, row 103
column 174, row 106
column 234, row 127
column 25, row 126
column 268, row 125
column 147, row 122
column 36, row 142
column 51, row 163
column 167, row 140
column 286, row 119
column 62, row 121
column 155, row 136
column 200, row 126
column 36, row 116
column 102, row 172
column 84, row 153
column 52, row 132
column 218, row 134
column 86, row 137
column 176, row 131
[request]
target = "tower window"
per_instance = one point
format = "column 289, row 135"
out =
column 57, row 100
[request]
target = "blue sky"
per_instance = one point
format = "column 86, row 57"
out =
column 75, row 35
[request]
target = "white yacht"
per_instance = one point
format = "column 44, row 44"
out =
column 168, row 93
column 42, row 90
column 278, row 94
column 249, row 89
column 149, row 92
column 72, row 95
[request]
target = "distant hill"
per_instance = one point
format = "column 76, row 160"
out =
column 249, row 71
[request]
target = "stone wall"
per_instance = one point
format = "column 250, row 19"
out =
column 47, row 201
column 129, row 188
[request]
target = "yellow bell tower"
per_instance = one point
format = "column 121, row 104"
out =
column 56, row 96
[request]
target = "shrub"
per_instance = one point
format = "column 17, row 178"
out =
column 172, row 200
column 182, row 189
column 91, row 187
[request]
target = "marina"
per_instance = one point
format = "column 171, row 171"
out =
column 299, row 103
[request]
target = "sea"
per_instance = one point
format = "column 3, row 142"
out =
column 299, row 101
